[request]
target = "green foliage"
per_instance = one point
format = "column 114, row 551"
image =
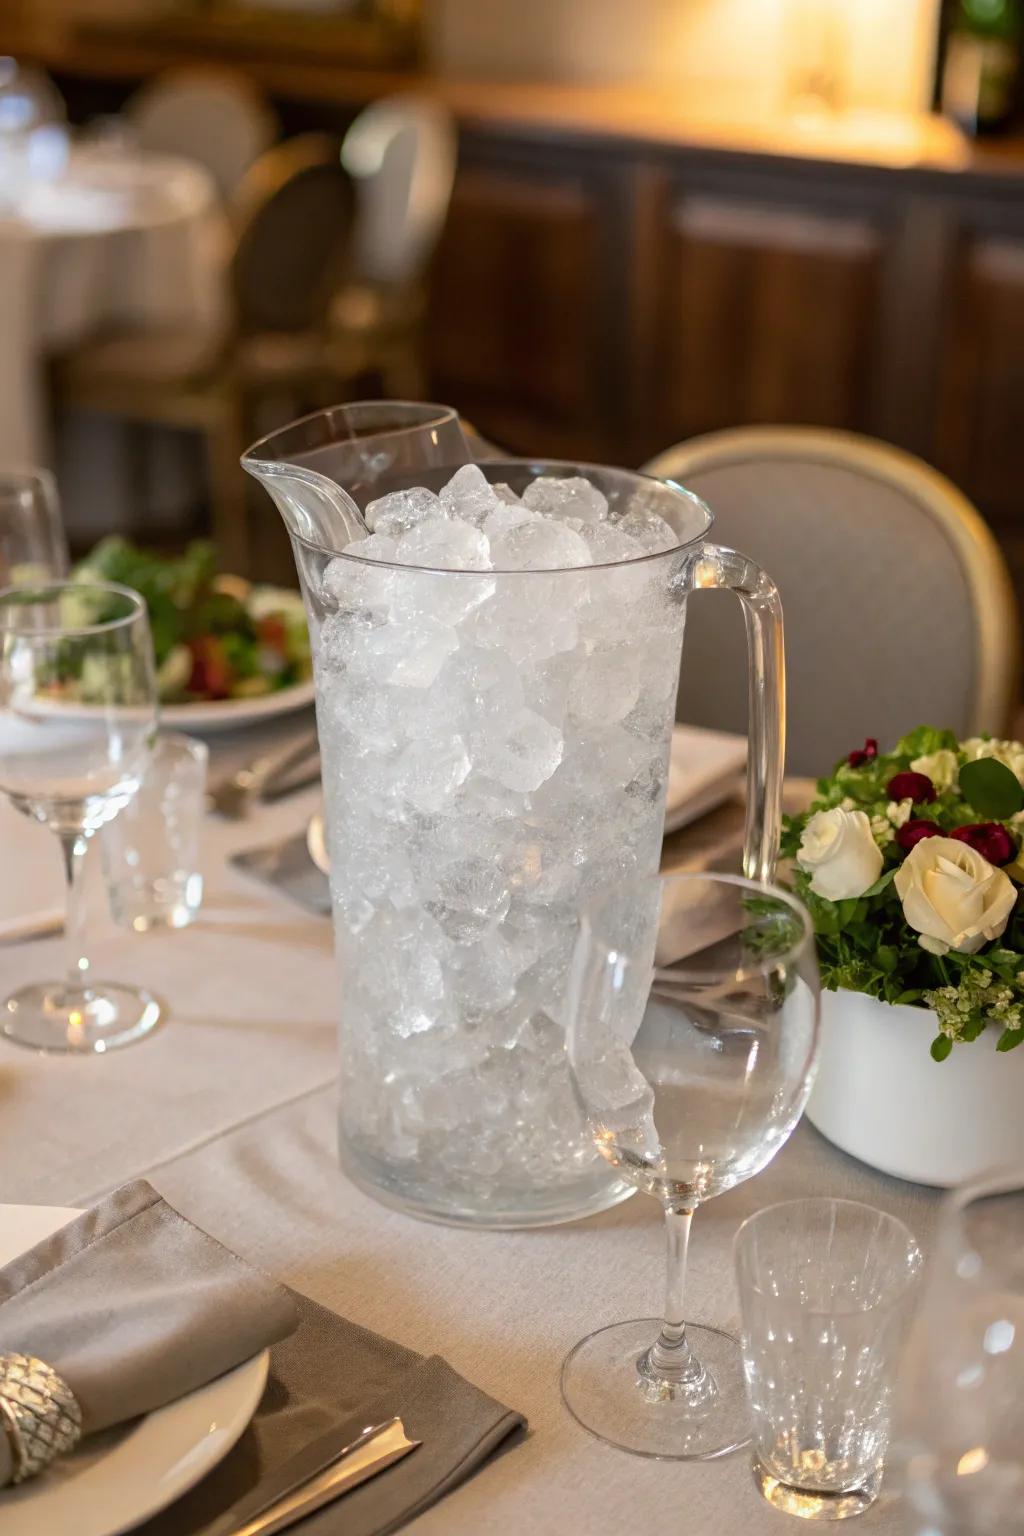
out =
column 866, row 945
column 991, row 789
column 189, row 608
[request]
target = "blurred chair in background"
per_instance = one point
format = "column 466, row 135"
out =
column 210, row 115
column 292, row 221
column 400, row 153
column 898, row 605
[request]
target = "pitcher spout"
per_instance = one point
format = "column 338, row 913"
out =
column 322, row 471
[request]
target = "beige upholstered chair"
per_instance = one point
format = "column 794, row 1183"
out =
column 898, row 606
column 203, row 113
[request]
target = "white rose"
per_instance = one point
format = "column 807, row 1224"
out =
column 898, row 812
column 1009, row 752
column 941, row 767
column 839, row 852
column 952, row 897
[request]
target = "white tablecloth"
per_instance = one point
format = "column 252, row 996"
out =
column 120, row 239
column 229, row 1109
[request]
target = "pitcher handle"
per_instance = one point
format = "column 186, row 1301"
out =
column 717, row 566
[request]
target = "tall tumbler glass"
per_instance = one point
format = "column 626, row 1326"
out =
column 826, row 1288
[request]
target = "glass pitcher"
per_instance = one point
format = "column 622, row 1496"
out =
column 495, row 749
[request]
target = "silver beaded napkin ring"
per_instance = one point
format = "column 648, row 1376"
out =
column 39, row 1413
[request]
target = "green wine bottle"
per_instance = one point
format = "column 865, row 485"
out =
column 982, row 69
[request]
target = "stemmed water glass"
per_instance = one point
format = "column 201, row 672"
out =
column 77, row 720
column 692, row 1027
column 960, row 1423
column 32, row 543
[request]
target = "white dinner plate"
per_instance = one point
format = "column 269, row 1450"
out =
column 122, row 1477
column 232, row 714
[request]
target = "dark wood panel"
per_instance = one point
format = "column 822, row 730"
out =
column 980, row 426
column 514, row 328
column 766, row 315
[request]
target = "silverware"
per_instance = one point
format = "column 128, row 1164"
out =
column 294, row 1491
column 233, row 797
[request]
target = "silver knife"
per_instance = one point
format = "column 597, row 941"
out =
column 291, row 1494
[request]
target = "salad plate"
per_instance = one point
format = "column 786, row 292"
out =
column 228, row 653
column 119, row 1478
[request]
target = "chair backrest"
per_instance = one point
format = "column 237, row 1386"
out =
column 400, row 152
column 897, row 604
column 209, row 115
column 293, row 220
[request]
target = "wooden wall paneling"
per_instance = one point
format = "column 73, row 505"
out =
column 979, row 428
column 768, row 304
column 522, row 319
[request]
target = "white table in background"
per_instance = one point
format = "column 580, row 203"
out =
column 229, row 1110
column 120, row 239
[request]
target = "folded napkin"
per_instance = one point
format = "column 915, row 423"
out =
column 320, row 1376
column 288, row 867
column 134, row 1306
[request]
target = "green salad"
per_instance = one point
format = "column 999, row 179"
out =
column 215, row 637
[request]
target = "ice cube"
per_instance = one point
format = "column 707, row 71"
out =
column 351, row 583
column 409, row 654
column 649, row 530
column 541, row 545
column 400, row 972
column 468, row 496
column 481, row 683
column 505, row 493
column 470, row 898
column 400, row 511
column 609, row 542
column 521, row 751
column 429, row 771
column 445, row 543
column 527, row 623
column 505, row 517
column 569, row 497
column 605, row 685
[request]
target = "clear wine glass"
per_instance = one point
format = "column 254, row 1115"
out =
column 32, row 543
column 77, row 721
column 692, row 1028
column 960, row 1420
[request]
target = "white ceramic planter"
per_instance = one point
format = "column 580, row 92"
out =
column 880, row 1096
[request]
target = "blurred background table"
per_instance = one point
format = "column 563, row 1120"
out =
column 120, row 238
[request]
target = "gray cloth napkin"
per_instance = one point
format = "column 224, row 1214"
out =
column 321, row 1375
column 134, row 1307
column 289, row 867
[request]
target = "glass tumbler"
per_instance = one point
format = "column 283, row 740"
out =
column 151, row 852
column 826, row 1287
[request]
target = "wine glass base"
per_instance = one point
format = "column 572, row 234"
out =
column 810, row 1503
column 50, row 1016
column 602, row 1389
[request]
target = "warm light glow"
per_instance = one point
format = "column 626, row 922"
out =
column 972, row 1461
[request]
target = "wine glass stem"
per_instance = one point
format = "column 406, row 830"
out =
column 670, row 1355
column 73, row 846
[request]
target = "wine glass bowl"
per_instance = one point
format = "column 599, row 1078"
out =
column 32, row 544
column 692, row 1028
column 77, row 721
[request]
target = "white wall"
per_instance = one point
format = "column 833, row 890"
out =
column 744, row 49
